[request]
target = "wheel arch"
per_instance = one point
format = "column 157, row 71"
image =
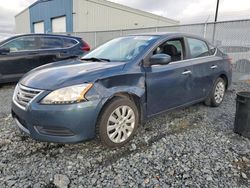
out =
column 225, row 78
column 124, row 94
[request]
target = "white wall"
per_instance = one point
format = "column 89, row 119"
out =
column 99, row 15
column 22, row 21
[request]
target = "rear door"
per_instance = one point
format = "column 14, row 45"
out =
column 169, row 86
column 50, row 49
column 21, row 58
column 205, row 66
column 56, row 48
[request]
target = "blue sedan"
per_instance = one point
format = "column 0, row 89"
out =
column 110, row 91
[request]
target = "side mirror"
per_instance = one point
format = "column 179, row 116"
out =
column 160, row 59
column 4, row 51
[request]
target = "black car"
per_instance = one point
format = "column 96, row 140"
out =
column 20, row 54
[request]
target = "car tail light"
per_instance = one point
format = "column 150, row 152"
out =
column 85, row 47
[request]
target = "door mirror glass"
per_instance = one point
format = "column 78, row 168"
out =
column 4, row 50
column 160, row 59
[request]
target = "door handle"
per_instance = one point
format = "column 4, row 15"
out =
column 214, row 67
column 187, row 72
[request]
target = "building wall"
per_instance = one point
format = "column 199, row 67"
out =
column 22, row 21
column 46, row 10
column 99, row 15
column 87, row 15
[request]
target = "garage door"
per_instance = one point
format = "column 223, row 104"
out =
column 39, row 27
column 59, row 24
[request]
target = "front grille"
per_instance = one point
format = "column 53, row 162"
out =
column 23, row 95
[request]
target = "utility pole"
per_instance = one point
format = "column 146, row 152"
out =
column 216, row 12
column 215, row 19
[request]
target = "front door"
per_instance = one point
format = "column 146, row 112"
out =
column 169, row 86
column 14, row 65
column 22, row 57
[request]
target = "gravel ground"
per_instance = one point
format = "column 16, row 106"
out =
column 6, row 92
column 191, row 147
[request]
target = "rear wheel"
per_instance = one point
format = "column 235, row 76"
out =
column 118, row 122
column 217, row 95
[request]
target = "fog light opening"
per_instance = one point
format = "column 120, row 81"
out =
column 54, row 131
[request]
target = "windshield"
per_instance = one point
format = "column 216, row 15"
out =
column 121, row 49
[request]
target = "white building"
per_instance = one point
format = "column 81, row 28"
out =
column 83, row 16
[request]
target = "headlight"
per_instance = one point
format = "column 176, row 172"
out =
column 67, row 95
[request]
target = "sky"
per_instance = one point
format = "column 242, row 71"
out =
column 186, row 11
column 193, row 11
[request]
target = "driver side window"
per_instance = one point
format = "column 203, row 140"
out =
column 174, row 48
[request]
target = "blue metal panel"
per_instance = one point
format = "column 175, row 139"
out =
column 45, row 10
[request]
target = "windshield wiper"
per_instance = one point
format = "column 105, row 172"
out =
column 96, row 59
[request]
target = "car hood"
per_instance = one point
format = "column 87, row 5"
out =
column 69, row 72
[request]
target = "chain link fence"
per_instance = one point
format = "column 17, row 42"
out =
column 232, row 37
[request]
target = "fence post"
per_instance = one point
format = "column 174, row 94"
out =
column 156, row 29
column 214, row 33
column 205, row 30
column 95, row 40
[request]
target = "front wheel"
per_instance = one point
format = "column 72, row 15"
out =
column 118, row 122
column 217, row 95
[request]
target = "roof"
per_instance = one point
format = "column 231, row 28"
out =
column 22, row 11
column 163, row 34
column 159, row 33
column 169, row 34
column 38, row 1
column 43, row 34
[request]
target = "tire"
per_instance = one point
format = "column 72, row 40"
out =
column 218, row 92
column 121, row 117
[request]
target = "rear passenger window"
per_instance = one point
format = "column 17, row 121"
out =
column 67, row 43
column 51, row 43
column 198, row 48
